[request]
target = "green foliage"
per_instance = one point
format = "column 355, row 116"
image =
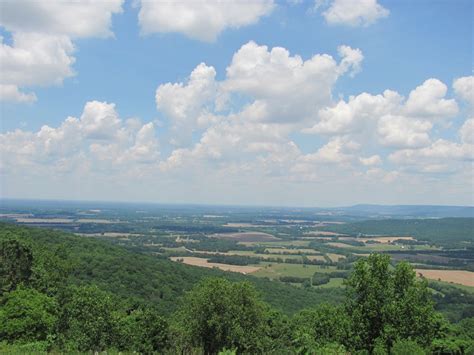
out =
column 27, row 315
column 320, row 278
column 389, row 304
column 87, row 321
column 451, row 345
column 219, row 314
column 407, row 347
column 142, row 330
column 15, row 264
column 319, row 326
column 145, row 279
column 72, row 294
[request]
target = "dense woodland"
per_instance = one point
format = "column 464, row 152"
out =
column 65, row 293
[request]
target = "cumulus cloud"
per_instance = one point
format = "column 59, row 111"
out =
column 41, row 53
column 395, row 121
column 400, row 131
column 98, row 135
column 427, row 100
column 464, row 88
column 184, row 103
column 467, row 131
column 11, row 93
column 36, row 59
column 353, row 13
column 69, row 18
column 202, row 20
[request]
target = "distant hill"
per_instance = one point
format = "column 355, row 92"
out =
column 425, row 211
column 439, row 230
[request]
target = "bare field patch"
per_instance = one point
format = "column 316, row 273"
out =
column 335, row 257
column 240, row 225
column 456, row 276
column 290, row 251
column 44, row 220
column 201, row 262
column 317, row 233
column 98, row 221
column 109, row 234
column 246, row 236
column 382, row 240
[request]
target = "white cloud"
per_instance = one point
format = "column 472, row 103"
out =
column 464, row 88
column 12, row 94
column 286, row 88
column 70, row 18
column 98, row 135
column 427, row 100
column 440, row 157
column 183, row 103
column 354, row 13
column 36, row 59
column 41, row 53
column 359, row 113
column 202, row 20
column 467, row 131
column 372, row 160
column 400, row 131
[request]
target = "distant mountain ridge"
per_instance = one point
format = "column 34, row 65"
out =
column 425, row 211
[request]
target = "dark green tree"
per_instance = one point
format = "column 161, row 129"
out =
column 389, row 304
column 320, row 326
column 144, row 331
column 87, row 321
column 218, row 314
column 16, row 261
column 27, row 315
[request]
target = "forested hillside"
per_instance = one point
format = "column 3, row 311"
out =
column 64, row 293
column 140, row 277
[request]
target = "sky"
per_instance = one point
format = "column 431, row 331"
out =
column 258, row 102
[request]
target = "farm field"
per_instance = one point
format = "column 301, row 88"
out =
column 462, row 277
column 291, row 247
column 276, row 270
column 190, row 260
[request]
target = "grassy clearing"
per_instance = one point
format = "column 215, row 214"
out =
column 275, row 270
column 334, row 282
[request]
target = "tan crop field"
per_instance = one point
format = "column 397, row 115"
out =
column 44, row 220
column 98, row 221
column 290, row 251
column 201, row 262
column 335, row 257
column 326, row 233
column 456, row 276
column 382, row 240
column 246, row 236
column 109, row 234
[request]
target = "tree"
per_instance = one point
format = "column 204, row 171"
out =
column 320, row 326
column 389, row 304
column 407, row 347
column 27, row 315
column 16, row 261
column 144, row 331
column 218, row 314
column 87, row 322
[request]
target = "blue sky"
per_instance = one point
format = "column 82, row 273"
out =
column 310, row 146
